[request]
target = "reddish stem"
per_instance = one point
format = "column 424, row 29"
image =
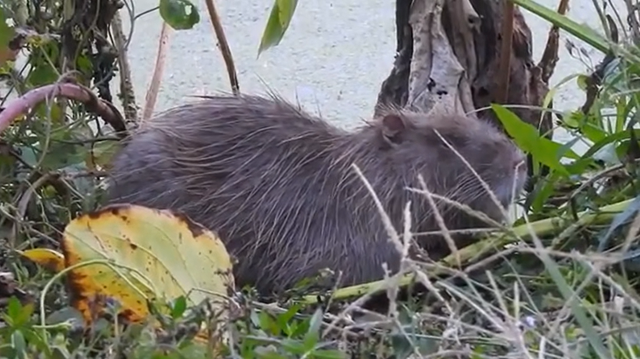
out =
column 24, row 103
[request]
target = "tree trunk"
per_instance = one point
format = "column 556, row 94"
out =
column 448, row 59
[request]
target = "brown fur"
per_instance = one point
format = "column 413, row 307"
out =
column 278, row 186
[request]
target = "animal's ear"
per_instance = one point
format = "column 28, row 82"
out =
column 392, row 126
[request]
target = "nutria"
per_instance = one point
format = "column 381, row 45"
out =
column 278, row 186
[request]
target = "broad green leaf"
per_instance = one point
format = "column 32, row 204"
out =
column 528, row 139
column 179, row 14
column 61, row 154
column 278, row 22
column 179, row 307
column 582, row 32
column 42, row 72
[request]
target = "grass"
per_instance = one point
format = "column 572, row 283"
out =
column 561, row 282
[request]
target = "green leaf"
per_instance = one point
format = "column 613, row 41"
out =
column 542, row 191
column 582, row 32
column 294, row 346
column 179, row 14
column 267, row 324
column 42, row 72
column 14, row 308
column 313, row 334
column 581, row 80
column 529, row 140
column 329, row 354
column 19, row 344
column 277, row 25
column 6, row 32
column 179, row 306
column 284, row 318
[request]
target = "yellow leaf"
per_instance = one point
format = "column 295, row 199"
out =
column 47, row 258
column 164, row 255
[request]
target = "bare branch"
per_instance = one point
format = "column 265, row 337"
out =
column 102, row 108
column 126, row 84
column 224, row 46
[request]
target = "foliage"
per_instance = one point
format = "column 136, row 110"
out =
column 179, row 14
column 279, row 20
column 76, row 281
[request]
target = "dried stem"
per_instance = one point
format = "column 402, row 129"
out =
column 154, row 86
column 126, row 84
column 224, row 46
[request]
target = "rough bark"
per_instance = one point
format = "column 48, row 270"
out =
column 447, row 59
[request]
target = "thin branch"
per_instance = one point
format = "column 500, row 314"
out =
column 224, row 46
column 126, row 84
column 104, row 109
column 154, row 86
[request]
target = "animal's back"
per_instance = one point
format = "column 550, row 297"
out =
column 271, row 180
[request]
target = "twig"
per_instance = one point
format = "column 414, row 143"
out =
column 126, row 84
column 154, row 86
column 102, row 108
column 504, row 68
column 24, row 202
column 224, row 46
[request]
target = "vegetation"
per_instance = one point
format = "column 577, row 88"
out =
column 560, row 283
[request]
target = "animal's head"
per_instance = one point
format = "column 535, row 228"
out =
column 437, row 147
